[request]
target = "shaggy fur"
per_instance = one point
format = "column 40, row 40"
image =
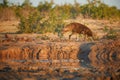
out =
column 77, row 28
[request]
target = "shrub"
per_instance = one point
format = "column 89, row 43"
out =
column 110, row 33
column 38, row 23
column 30, row 24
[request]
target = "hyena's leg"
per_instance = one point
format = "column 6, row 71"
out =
column 81, row 36
column 77, row 37
column 90, row 39
column 70, row 35
column 85, row 37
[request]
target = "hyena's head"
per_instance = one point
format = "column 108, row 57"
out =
column 67, row 28
column 89, row 33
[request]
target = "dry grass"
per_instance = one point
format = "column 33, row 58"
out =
column 8, row 26
column 97, row 26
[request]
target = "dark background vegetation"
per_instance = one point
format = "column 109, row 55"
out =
column 49, row 17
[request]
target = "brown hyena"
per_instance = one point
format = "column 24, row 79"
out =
column 77, row 28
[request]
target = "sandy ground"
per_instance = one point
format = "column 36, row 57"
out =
column 8, row 26
column 91, row 60
column 97, row 26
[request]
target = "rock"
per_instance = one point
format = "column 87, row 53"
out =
column 61, row 59
column 44, row 54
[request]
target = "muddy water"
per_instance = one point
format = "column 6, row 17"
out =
column 60, row 61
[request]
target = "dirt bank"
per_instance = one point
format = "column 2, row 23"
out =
column 60, row 60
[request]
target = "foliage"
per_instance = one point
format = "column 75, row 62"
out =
column 26, row 3
column 5, row 3
column 39, row 23
column 30, row 24
column 110, row 33
column 44, row 37
column 49, row 17
column 100, row 11
column 105, row 29
column 45, row 6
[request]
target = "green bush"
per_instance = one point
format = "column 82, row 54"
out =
column 94, row 9
column 48, row 17
column 111, row 34
column 38, row 23
column 30, row 24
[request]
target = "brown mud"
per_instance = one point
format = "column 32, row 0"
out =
column 27, row 58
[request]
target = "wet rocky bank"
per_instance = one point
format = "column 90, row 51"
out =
column 62, row 60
